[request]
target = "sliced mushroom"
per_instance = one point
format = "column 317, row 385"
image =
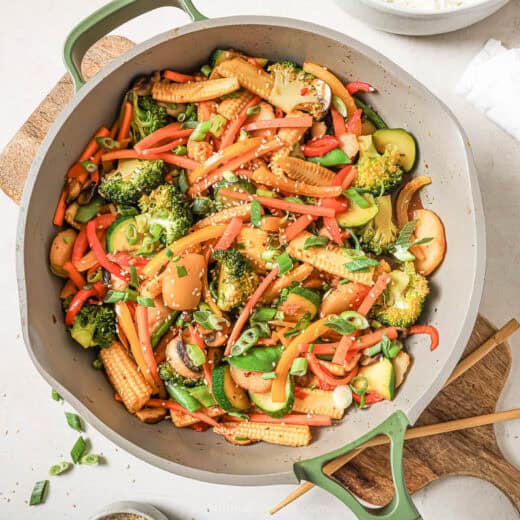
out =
column 70, row 213
column 177, row 356
column 87, row 194
column 251, row 380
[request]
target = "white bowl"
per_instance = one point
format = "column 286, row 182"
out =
column 419, row 22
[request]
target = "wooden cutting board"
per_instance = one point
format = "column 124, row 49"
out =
column 471, row 452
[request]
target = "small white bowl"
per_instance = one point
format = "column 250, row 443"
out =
column 419, row 22
column 147, row 511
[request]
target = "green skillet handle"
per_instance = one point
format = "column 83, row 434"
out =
column 104, row 20
column 401, row 507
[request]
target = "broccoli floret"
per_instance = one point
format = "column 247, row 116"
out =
column 147, row 117
column 94, row 326
column 236, row 279
column 294, row 89
column 166, row 373
column 167, row 211
column 378, row 174
column 379, row 235
column 130, row 180
column 402, row 302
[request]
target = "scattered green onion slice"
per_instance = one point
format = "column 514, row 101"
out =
column 256, row 213
column 242, row 416
column 315, row 241
column 156, row 230
column 38, row 492
column 181, row 271
column 264, row 314
column 284, row 262
column 206, row 70
column 89, row 166
column 145, row 301
column 229, row 176
column 247, row 339
column 339, row 105
column 78, row 450
column 58, row 469
column 361, row 264
column 261, row 192
column 196, row 354
column 207, row 320
column 168, row 253
column 201, row 131
column 299, row 367
column 300, row 326
column 95, row 276
column 108, row 143
column 97, row 364
column 134, row 278
column 251, row 111
column 55, row 396
column 183, row 182
column 269, row 375
column 356, row 319
column 90, row 459
column 364, row 385
column 340, row 325
column 74, row 421
column 180, row 150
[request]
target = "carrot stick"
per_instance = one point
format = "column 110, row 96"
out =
column 371, row 339
column 374, row 293
column 230, row 233
column 74, row 275
column 80, row 245
column 141, row 316
column 159, row 135
column 86, row 262
column 294, row 419
column 354, row 123
column 248, row 309
column 176, row 160
column 172, row 405
column 293, row 207
column 233, row 127
column 92, row 146
column 178, row 77
column 341, row 352
column 281, row 122
column 295, row 228
column 124, row 131
column 271, row 224
column 338, row 122
column 59, row 214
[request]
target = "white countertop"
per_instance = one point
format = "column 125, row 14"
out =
column 33, row 432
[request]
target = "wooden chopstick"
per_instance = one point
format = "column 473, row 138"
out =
column 434, row 429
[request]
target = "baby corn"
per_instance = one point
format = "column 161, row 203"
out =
column 224, row 217
column 250, row 77
column 305, row 171
column 286, row 435
column 317, row 402
column 329, row 258
column 255, row 243
column 231, row 106
column 168, row 92
column 126, row 379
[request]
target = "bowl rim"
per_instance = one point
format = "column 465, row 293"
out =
column 414, row 12
column 412, row 410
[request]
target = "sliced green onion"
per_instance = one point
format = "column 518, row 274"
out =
column 247, row 339
column 126, row 211
column 38, row 492
column 297, row 200
column 364, row 385
column 95, row 276
column 251, row 111
column 181, row 271
column 120, row 296
column 168, row 253
column 97, row 364
column 269, row 375
column 391, row 349
column 355, row 196
column 256, row 213
column 229, row 176
column 299, row 367
column 361, row 264
column 201, row 131
column 144, row 301
column 180, row 322
column 242, row 416
column 207, row 320
column 206, row 70
column 156, row 230
column 315, row 241
column 183, row 182
column 180, row 150
column 141, row 222
column 261, row 192
column 89, row 166
column 78, row 450
column 284, row 262
column 356, row 319
column 340, row 325
column 218, row 123
column 108, row 143
column 55, row 396
column 58, row 469
column 134, row 278
column 311, row 348
column 244, row 134
column 90, row 459
column 202, row 206
column 269, row 255
column 181, row 117
column 147, row 246
column 74, row 421
column 263, row 314
column 339, row 105
column 374, row 350
column 300, row 326
column 196, row 354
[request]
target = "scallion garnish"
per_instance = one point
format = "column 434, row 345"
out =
column 90, row 459
column 251, row 111
column 361, row 391
column 78, row 450
column 315, row 241
column 300, row 326
column 181, row 271
column 269, row 375
column 58, row 469
column 89, row 166
column 97, row 364
column 108, row 143
column 134, row 278
column 55, row 396
column 284, row 262
column 168, row 253
column 180, row 150
column 339, row 105
column 206, row 70
column 95, row 276
column 196, row 354
column 74, row 421
column 38, row 492
column 401, row 249
column 207, row 320
column 131, row 234
column 340, row 325
column 299, row 367
column 183, row 182
column 144, row 301
column 361, row 264
column 201, row 131
column 256, row 213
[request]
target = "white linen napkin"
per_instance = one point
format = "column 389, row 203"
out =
column 491, row 82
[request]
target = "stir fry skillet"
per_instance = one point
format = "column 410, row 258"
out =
column 242, row 251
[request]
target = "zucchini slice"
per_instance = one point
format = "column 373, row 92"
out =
column 227, row 393
column 117, row 235
column 402, row 139
column 277, row 410
column 380, row 377
column 300, row 301
column 357, row 216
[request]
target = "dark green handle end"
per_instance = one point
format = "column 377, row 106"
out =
column 401, row 507
column 104, row 20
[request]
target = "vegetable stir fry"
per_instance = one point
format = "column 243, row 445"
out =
column 244, row 250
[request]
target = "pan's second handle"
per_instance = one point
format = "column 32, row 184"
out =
column 104, row 20
column 401, row 507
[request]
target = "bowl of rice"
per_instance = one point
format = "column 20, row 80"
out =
column 421, row 17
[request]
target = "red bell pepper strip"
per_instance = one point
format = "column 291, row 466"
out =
column 233, row 127
column 324, row 375
column 143, row 331
column 320, row 146
column 282, row 122
column 80, row 245
column 374, row 293
column 354, row 123
column 99, row 252
column 230, row 233
column 170, row 158
column 59, row 214
column 359, row 86
column 426, row 329
column 372, row 338
column 170, row 145
column 125, row 260
column 80, row 298
column 370, row 398
column 338, row 122
column 74, row 275
column 295, row 228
